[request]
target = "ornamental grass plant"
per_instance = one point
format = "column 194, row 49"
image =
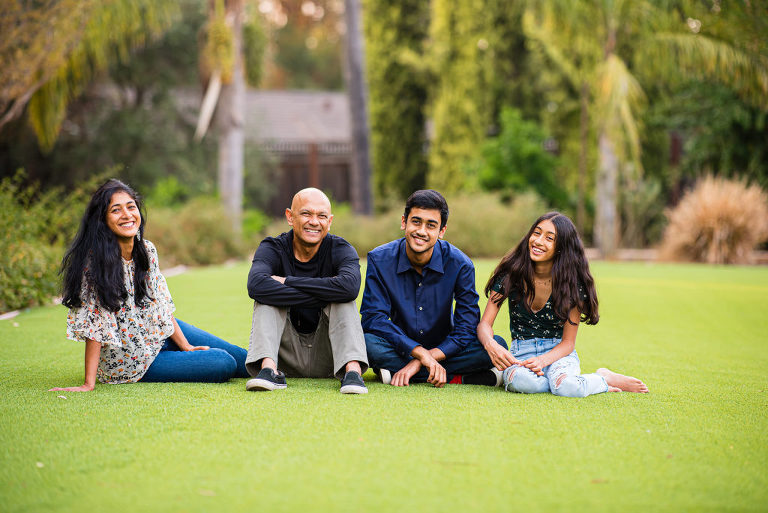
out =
column 720, row 221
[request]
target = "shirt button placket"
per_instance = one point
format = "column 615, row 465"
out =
column 419, row 308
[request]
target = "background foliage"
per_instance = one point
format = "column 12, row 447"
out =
column 507, row 98
column 35, row 227
column 395, row 32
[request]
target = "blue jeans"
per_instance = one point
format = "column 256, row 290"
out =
column 216, row 365
column 473, row 358
column 562, row 378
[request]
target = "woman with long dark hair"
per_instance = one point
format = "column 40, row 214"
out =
column 120, row 306
column 549, row 290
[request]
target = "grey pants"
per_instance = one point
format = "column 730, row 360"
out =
column 325, row 353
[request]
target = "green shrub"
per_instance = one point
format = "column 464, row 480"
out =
column 481, row 224
column 719, row 222
column 35, row 227
column 197, row 233
column 515, row 161
column 28, row 273
column 254, row 223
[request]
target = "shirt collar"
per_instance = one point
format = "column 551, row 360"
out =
column 435, row 263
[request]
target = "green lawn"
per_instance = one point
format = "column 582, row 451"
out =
column 697, row 335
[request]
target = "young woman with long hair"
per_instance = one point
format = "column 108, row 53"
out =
column 120, row 306
column 549, row 290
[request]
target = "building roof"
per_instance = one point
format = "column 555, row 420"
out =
column 297, row 117
column 287, row 121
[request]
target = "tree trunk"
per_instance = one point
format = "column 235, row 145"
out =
column 581, row 214
column 229, row 118
column 358, row 104
column 606, row 217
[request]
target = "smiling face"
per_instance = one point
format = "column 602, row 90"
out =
column 542, row 242
column 422, row 229
column 310, row 217
column 123, row 216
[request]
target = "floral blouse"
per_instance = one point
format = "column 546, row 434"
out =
column 132, row 337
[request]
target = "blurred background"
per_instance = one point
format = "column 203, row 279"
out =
column 646, row 122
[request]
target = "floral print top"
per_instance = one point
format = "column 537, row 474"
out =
column 131, row 337
column 525, row 325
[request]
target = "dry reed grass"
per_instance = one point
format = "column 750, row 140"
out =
column 720, row 221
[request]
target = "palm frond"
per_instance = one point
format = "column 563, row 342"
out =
column 619, row 97
column 62, row 45
column 706, row 57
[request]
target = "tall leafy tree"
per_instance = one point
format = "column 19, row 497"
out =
column 610, row 46
column 395, row 32
column 461, row 103
column 51, row 49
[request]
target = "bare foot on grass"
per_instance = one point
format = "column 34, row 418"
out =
column 622, row 382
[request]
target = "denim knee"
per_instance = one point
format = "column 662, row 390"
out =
column 522, row 380
column 569, row 386
column 376, row 348
column 221, row 366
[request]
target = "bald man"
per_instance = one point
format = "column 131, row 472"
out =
column 304, row 284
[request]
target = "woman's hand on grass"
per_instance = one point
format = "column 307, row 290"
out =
column 535, row 365
column 82, row 388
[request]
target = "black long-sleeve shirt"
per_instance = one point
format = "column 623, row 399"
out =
column 331, row 276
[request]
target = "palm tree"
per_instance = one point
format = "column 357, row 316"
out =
column 222, row 61
column 593, row 42
column 50, row 50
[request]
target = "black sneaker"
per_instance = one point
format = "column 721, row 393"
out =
column 490, row 378
column 353, row 384
column 267, row 379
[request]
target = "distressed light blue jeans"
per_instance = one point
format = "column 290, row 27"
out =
column 563, row 378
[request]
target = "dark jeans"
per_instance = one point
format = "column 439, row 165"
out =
column 216, row 365
column 473, row 358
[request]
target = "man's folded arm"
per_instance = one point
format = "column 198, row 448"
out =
column 343, row 287
column 266, row 290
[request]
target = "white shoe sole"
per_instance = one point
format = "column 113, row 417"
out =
column 386, row 376
column 353, row 389
column 260, row 385
column 499, row 376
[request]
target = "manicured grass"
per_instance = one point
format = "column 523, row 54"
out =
column 697, row 335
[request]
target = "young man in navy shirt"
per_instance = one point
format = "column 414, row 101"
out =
column 413, row 331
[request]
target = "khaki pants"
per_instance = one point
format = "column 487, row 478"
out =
column 325, row 353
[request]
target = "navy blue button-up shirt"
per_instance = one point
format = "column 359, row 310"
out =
column 412, row 309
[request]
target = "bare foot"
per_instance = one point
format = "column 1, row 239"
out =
column 622, row 382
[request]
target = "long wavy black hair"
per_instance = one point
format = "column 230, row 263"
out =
column 570, row 271
column 94, row 255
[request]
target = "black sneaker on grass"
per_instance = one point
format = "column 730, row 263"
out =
column 267, row 379
column 490, row 378
column 353, row 384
